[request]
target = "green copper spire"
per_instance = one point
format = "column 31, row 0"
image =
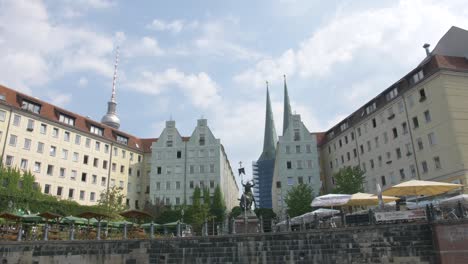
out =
column 287, row 107
column 269, row 141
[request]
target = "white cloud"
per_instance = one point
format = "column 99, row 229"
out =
column 59, row 99
column 383, row 31
column 36, row 50
column 146, row 46
column 174, row 26
column 83, row 82
column 199, row 88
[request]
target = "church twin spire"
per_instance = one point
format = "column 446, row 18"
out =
column 270, row 137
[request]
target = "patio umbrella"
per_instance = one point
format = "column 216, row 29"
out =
column 31, row 218
column 49, row 215
column 330, row 200
column 365, row 199
column 73, row 220
column 452, row 201
column 148, row 225
column 121, row 223
column 416, row 188
column 323, row 212
column 10, row 216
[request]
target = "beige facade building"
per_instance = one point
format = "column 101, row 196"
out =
column 415, row 129
column 76, row 158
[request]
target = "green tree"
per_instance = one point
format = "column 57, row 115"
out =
column 235, row 211
column 298, row 199
column 349, row 180
column 195, row 213
column 218, row 208
column 112, row 201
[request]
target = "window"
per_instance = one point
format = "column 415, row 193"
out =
column 392, row 94
column 201, row 153
column 30, row 126
column 417, row 76
column 116, row 152
column 362, row 149
column 405, row 128
column 16, row 120
column 71, row 193
column 431, row 138
column 395, row 132
column 73, row 175
column 427, row 116
column 372, row 165
column 75, row 156
column 191, row 185
column 77, row 139
column 376, row 139
column 201, row 139
column 9, row 160
column 92, row 196
column 52, row 151
column 385, row 137
column 104, row 164
column 348, row 156
column 288, row 149
column 97, row 145
column 371, row 108
column 420, row 144
column 437, row 164
column 121, row 184
column 424, row 167
column 382, row 178
column 299, row 163
column 107, row 148
column 30, row 106
column 415, row 122
column 374, row 123
column 43, row 128
column 297, row 135
column 37, row 166
column 103, row 181
column 96, row 162
column 24, row 164
column 288, row 165
column 2, row 115
column 401, row 106
column 344, row 126
column 309, row 163
column 168, row 185
column 55, row 132
column 300, row 180
column 159, row 170
column 278, row 184
column 211, row 153
column 64, row 154
column 369, row 146
column 114, row 166
column 352, row 135
column 122, row 140
column 398, row 153
column 62, row 172
column 50, row 170
column 402, row 174
column 94, row 179
column 359, row 131
column 422, row 95
column 202, row 168
column 85, row 159
column 355, row 153
column 379, row 158
column 212, row 168
column 122, row 168
column 13, row 139
column 177, row 185
column 82, row 195
column 96, row 130
column 179, row 154
column 47, row 189
column 88, row 142
column 413, row 170
column 66, row 136
column 408, row 149
column 290, row 180
column 27, row 143
column 66, row 119
column 308, row 149
column 59, row 190
column 298, row 148
column 83, row 177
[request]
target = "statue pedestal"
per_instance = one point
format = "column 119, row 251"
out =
column 247, row 222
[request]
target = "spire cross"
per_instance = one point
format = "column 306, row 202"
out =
column 114, row 79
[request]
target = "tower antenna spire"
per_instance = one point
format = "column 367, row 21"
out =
column 114, row 79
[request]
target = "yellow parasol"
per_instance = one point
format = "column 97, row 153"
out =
column 364, row 199
column 416, row 188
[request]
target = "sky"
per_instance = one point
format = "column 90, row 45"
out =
column 185, row 60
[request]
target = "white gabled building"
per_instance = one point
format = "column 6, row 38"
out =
column 179, row 164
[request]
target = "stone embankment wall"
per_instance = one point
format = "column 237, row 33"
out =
column 403, row 243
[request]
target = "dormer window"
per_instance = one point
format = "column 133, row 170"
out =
column 96, row 130
column 417, row 77
column 297, row 135
column 122, row 140
column 66, row 119
column 371, row 108
column 30, row 106
column 344, row 126
column 2, row 97
column 392, row 94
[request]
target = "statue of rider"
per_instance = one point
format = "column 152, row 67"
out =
column 248, row 193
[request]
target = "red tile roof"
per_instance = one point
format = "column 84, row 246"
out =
column 52, row 113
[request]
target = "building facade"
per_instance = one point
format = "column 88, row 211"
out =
column 415, row 129
column 76, row 158
column 179, row 164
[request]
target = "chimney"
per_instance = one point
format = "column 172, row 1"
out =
column 426, row 47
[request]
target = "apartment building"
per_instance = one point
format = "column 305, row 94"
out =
column 415, row 129
column 179, row 164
